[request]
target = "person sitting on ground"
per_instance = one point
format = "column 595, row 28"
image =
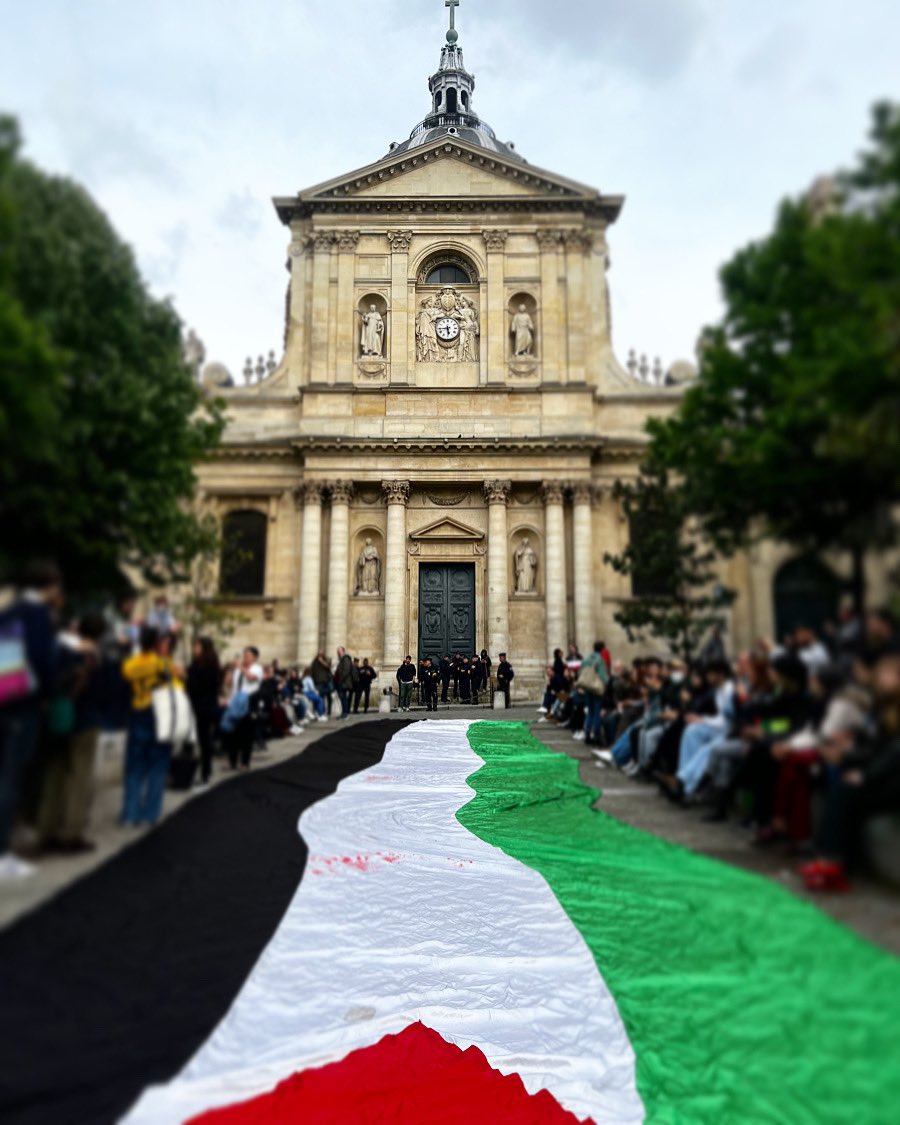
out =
column 308, row 687
column 556, row 681
column 701, row 731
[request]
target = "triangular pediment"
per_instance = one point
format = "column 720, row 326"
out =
column 443, row 169
column 447, row 528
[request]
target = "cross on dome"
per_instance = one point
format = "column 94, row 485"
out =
column 452, row 34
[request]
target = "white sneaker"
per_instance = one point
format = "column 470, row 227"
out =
column 630, row 769
column 201, row 786
column 542, row 719
column 579, row 736
column 542, row 710
column 603, row 756
column 12, row 868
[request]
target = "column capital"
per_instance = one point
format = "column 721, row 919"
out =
column 341, row 491
column 300, row 245
column 310, row 492
column 583, row 491
column 495, row 240
column 400, row 240
column 497, row 491
column 395, row 492
column 553, row 491
column 323, row 239
column 549, row 239
column 347, row 240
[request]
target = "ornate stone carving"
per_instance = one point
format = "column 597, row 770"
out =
column 372, row 335
column 524, row 367
column 553, row 492
column 495, row 240
column 372, row 368
column 341, row 491
column 323, row 240
column 299, row 245
column 347, row 240
column 549, row 239
column 525, row 561
column 395, row 491
column 400, row 240
column 447, row 501
column 497, row 491
column 522, row 331
column 578, row 239
column 310, row 492
column 368, row 571
column 447, row 329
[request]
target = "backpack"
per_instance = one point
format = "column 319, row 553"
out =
column 16, row 677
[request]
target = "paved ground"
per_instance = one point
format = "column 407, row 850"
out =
column 871, row 910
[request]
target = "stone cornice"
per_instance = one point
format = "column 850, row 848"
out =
column 486, row 445
column 606, row 207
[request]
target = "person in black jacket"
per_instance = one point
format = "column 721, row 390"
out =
column 204, row 687
column 465, row 681
column 343, row 680
column 430, row 678
column 363, row 686
column 406, row 677
column 477, row 678
column 446, row 670
column 505, row 675
column 28, row 634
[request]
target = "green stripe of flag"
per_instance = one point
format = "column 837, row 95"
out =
column 743, row 1003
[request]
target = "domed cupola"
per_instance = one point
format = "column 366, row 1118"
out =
column 452, row 115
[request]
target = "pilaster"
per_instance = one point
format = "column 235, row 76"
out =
column 308, row 497
column 401, row 369
column 553, row 494
column 338, row 566
column 497, row 328
column 396, row 495
column 497, row 493
column 347, row 321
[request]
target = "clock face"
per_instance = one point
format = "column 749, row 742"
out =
column 447, row 328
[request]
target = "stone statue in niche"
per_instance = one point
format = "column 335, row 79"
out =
column 368, row 571
column 522, row 332
column 470, row 330
column 372, row 338
column 526, row 562
column 426, row 334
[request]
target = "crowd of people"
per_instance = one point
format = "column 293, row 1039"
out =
column 180, row 706
column 800, row 742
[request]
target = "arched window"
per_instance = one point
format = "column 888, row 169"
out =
column 437, row 101
column 448, row 275
column 242, row 571
column 451, row 100
column 465, row 100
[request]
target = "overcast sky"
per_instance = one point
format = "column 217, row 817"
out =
column 184, row 117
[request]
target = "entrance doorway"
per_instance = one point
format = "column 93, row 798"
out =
column 806, row 593
column 446, row 609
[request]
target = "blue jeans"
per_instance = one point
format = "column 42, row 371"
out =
column 344, row 697
column 317, row 702
column 146, row 770
column 621, row 750
column 593, row 705
column 18, row 741
column 697, row 745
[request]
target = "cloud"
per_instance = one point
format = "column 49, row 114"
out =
column 242, row 213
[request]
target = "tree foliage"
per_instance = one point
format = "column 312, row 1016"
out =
column 101, row 420
column 678, row 598
column 793, row 428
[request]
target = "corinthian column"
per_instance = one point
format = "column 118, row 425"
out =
column 496, row 492
column 338, row 566
column 309, row 497
column 583, row 559
column 396, row 495
column 555, row 549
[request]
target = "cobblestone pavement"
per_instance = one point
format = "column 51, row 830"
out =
column 872, row 910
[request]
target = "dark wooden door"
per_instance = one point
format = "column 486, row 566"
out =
column 446, row 609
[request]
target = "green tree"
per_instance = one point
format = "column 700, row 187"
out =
column 677, row 598
column 792, row 428
column 104, row 420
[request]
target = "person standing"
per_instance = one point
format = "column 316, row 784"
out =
column 68, row 782
column 245, row 684
column 477, row 678
column 204, row 685
column 29, row 649
column 323, row 679
column 505, row 676
column 430, row 678
column 146, row 758
column 446, row 672
column 465, row 681
column 367, row 675
column 343, row 680
column 406, row 677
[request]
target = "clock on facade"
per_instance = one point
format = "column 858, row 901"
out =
column 447, row 328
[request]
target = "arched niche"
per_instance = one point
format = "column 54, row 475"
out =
column 523, row 304
column 366, row 305
column 523, row 583
column 367, row 570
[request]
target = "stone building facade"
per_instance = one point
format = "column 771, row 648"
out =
column 431, row 463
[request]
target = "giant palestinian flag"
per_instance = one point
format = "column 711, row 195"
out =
column 429, row 922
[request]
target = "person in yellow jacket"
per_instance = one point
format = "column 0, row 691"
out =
column 146, row 758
